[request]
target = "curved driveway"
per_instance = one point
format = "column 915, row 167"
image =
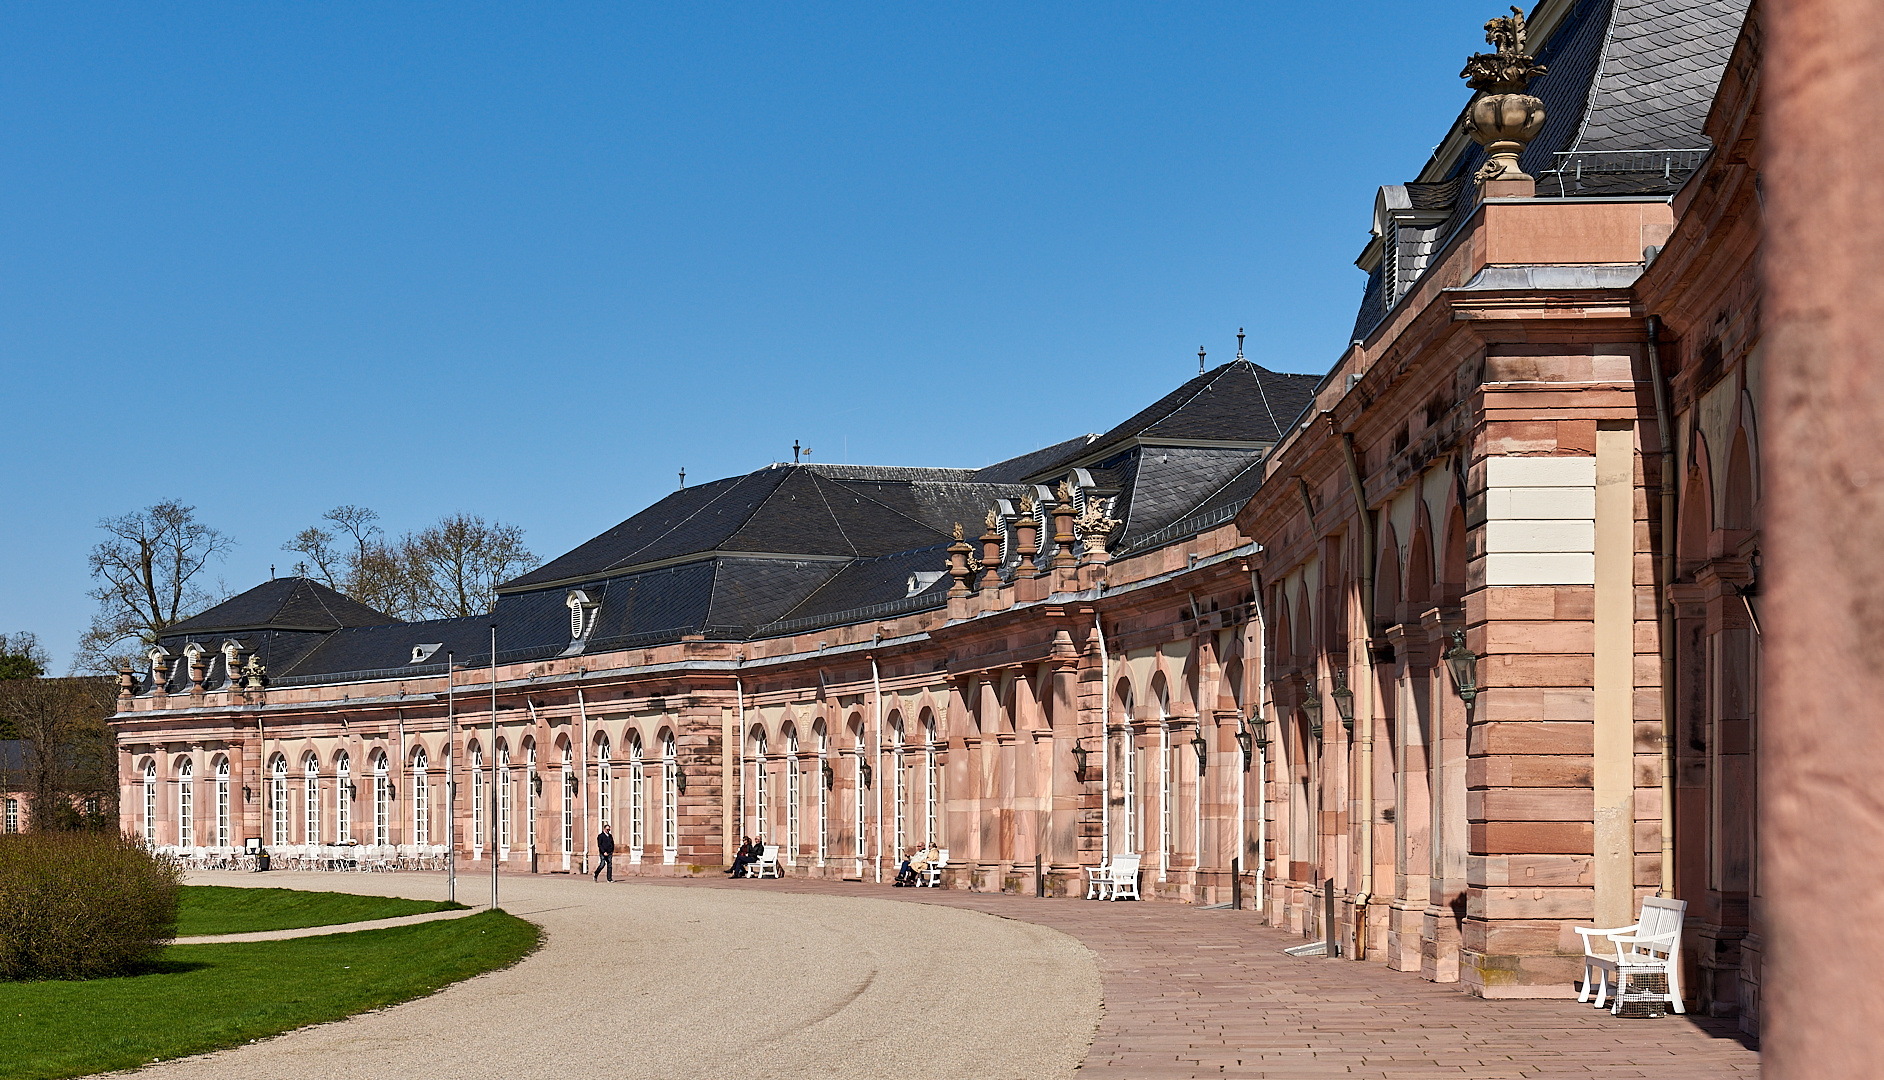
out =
column 644, row 980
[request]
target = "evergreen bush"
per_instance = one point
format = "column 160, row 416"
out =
column 78, row 905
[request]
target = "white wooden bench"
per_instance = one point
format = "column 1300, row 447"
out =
column 931, row 875
column 1651, row 947
column 1122, row 878
column 766, row 865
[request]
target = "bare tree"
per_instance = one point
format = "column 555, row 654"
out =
column 450, row 569
column 69, row 756
column 21, row 657
column 148, row 571
column 456, row 565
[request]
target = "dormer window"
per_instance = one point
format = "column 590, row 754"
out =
column 921, row 580
column 581, row 614
column 422, row 653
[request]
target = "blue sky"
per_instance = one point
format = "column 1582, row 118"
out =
column 531, row 261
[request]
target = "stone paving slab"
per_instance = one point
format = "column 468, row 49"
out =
column 1192, row 992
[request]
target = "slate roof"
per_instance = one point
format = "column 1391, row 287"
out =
column 290, row 603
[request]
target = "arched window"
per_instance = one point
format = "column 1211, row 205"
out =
column 503, row 801
column 670, row 798
column 824, row 792
column 421, row 799
column 568, row 785
column 1127, row 769
column 222, row 802
column 896, row 787
column 792, row 793
column 760, row 823
column 278, row 802
column 857, row 792
column 1167, row 793
column 310, row 800
column 532, row 780
column 150, row 802
column 604, row 783
column 637, row 799
column 343, row 798
column 931, row 782
column 477, row 801
column 186, row 789
column 382, row 800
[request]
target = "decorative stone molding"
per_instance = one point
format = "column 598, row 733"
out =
column 1503, row 118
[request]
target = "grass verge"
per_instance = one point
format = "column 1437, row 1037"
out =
column 215, row 909
column 197, row 998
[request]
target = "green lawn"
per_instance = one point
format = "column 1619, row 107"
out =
column 213, row 909
column 198, row 998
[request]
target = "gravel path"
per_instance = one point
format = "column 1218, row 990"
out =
column 644, row 980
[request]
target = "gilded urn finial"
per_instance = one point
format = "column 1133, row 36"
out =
column 1503, row 118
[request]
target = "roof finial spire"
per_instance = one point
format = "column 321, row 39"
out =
column 794, row 451
column 683, row 479
column 1239, row 343
column 1200, row 359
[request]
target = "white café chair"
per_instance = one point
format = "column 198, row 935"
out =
column 1122, row 882
column 1098, row 880
column 766, row 865
column 1650, row 947
column 931, row 877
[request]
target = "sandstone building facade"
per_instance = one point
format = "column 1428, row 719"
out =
column 1215, row 635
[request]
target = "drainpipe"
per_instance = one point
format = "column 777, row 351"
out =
column 739, row 765
column 876, row 688
column 1262, row 757
column 1105, row 744
column 1666, row 605
column 1368, row 556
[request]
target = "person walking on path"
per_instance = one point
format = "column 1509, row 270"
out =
column 605, row 846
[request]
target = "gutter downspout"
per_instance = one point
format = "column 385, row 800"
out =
column 582, row 770
column 1262, row 756
column 739, row 732
column 1105, row 744
column 1666, row 630
column 876, row 688
column 1368, row 556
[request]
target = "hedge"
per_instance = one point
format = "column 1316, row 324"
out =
column 79, row 905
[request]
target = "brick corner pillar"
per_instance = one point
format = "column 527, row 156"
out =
column 1821, row 838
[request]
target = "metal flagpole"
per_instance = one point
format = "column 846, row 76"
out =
column 494, row 763
column 451, row 787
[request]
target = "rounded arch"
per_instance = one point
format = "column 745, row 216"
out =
column 185, row 768
column 420, row 760
column 1736, row 510
column 1386, row 581
column 310, row 762
column 1231, row 694
column 854, row 726
column 1697, row 515
column 603, row 747
column 925, row 723
column 1160, row 694
column 1452, row 565
column 893, row 726
column 1123, row 699
column 1419, row 566
column 278, row 764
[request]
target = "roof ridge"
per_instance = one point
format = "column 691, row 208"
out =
column 627, row 560
column 910, row 517
column 823, row 498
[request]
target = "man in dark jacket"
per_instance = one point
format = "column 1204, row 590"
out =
column 605, row 847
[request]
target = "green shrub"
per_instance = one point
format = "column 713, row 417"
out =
column 81, row 905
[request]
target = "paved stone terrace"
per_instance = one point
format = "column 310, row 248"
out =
column 1191, row 992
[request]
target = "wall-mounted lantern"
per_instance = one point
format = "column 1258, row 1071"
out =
column 1463, row 663
column 1245, row 742
column 1312, row 706
column 830, row 776
column 1343, row 699
column 536, row 783
column 1201, row 748
column 865, row 772
column 680, row 780
column 1079, row 759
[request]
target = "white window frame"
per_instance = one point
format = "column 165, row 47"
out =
column 670, row 800
column 421, row 799
column 530, row 780
column 793, row 796
column 278, row 802
column 310, row 800
column 343, row 798
column 222, row 802
column 382, row 801
column 637, row 800
column 569, row 806
column 13, row 816
column 150, row 802
column 931, row 804
column 477, row 802
column 186, row 804
column 896, row 793
column 824, row 797
column 857, row 796
column 604, row 783
column 504, row 822
column 761, row 811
